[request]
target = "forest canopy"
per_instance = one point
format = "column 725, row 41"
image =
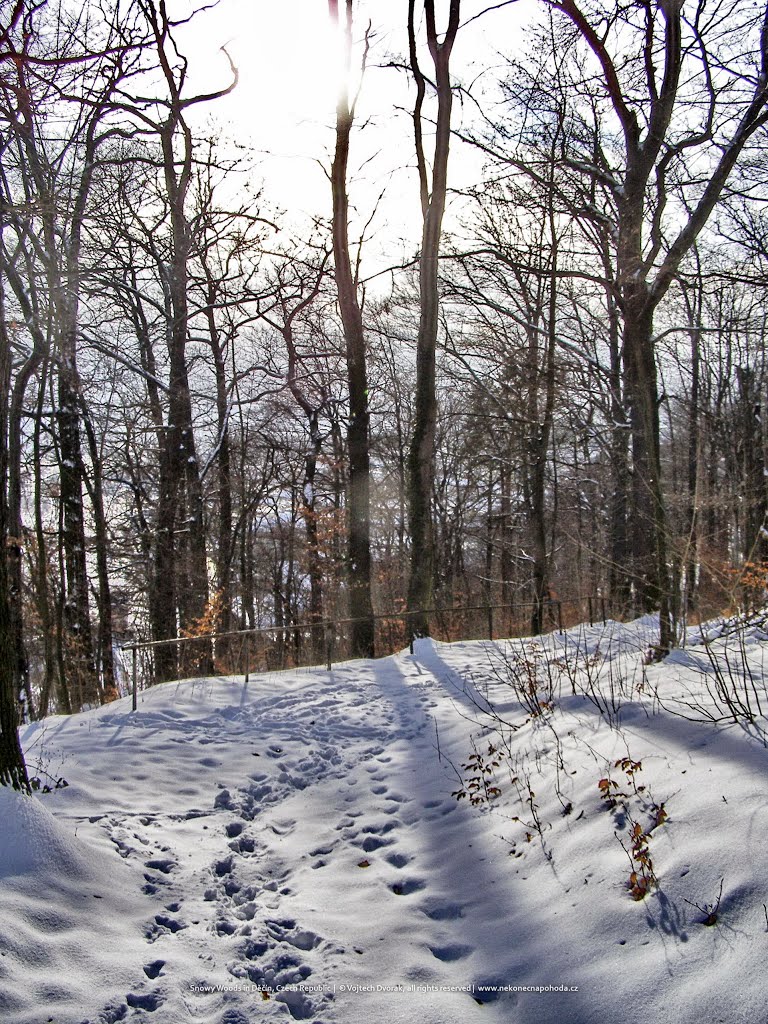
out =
column 544, row 384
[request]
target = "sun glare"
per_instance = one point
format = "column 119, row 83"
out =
column 290, row 61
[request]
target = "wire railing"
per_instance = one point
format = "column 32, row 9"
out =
column 327, row 641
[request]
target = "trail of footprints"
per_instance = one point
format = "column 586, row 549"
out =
column 271, row 949
column 380, row 836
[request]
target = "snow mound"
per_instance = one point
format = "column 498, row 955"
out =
column 32, row 841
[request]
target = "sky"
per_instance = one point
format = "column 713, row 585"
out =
column 289, row 62
column 284, row 105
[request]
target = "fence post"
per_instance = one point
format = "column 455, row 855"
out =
column 247, row 656
column 589, row 603
column 560, row 617
column 134, row 681
column 329, row 646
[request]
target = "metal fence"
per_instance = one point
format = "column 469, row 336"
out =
column 298, row 645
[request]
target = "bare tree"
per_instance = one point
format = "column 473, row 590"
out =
column 358, row 429
column 13, row 770
column 296, row 287
column 46, row 186
column 165, row 119
column 421, row 455
column 647, row 61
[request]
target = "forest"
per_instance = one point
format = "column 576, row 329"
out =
column 218, row 415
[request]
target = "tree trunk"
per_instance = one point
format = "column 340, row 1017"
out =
column 619, row 569
column 14, row 540
column 421, row 454
column 754, row 545
column 693, row 526
column 648, row 513
column 77, row 616
column 52, row 677
column 309, row 514
column 358, row 427
column 95, row 488
column 183, row 465
column 13, row 770
column 540, row 423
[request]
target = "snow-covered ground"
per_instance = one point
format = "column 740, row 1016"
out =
column 294, row 847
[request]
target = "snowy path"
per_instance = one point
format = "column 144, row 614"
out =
column 289, row 849
column 296, row 831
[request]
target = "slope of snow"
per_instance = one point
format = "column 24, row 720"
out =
column 37, row 844
column 291, row 848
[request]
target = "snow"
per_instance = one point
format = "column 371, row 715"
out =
column 38, row 843
column 292, row 848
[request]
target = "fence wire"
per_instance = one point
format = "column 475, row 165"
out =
column 299, row 645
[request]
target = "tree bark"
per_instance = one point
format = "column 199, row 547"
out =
column 421, row 453
column 754, row 544
column 358, row 426
column 13, row 770
column 647, row 267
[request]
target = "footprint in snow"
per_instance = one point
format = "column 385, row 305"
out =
column 322, row 851
column 232, row 887
column 254, row 950
column 440, row 910
column 371, row 843
column 491, row 990
column 150, row 1001
column 245, row 895
column 223, row 867
column 244, row 845
column 163, row 925
column 283, row 827
column 123, row 848
column 111, row 1014
column 451, row 952
column 246, row 911
column 299, row 1006
column 225, row 927
column 381, row 829
column 398, row 860
column 408, row 886
column 165, row 865
column 234, row 1016
column 268, row 967
column 288, row 931
column 285, row 969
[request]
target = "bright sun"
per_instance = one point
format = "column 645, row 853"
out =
column 290, row 61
